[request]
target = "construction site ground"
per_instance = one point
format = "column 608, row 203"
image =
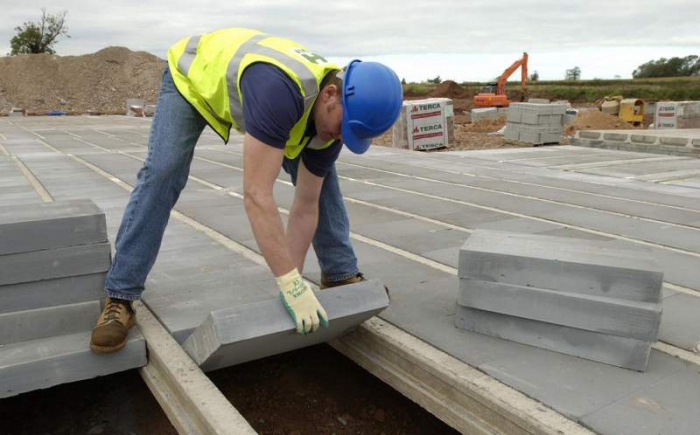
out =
column 410, row 214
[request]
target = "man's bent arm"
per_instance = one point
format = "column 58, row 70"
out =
column 261, row 165
column 303, row 215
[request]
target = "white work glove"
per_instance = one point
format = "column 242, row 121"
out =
column 301, row 303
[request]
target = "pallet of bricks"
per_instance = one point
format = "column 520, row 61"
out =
column 534, row 123
column 53, row 261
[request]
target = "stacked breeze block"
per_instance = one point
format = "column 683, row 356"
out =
column 53, row 262
column 577, row 297
column 535, row 123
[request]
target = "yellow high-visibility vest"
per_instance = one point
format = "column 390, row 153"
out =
column 207, row 71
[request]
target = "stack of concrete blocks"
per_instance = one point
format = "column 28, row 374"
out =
column 53, row 262
column 534, row 123
column 422, row 125
column 577, row 297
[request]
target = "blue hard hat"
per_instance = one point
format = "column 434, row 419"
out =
column 372, row 98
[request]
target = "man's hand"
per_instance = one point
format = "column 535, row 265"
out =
column 301, row 303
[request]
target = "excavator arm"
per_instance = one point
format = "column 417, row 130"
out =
column 520, row 63
column 488, row 99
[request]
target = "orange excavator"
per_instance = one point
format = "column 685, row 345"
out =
column 494, row 95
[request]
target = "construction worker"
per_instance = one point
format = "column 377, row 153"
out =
column 296, row 110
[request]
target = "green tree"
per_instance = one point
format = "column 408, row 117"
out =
column 39, row 37
column 436, row 81
column 673, row 67
column 534, row 76
column 573, row 73
column 403, row 81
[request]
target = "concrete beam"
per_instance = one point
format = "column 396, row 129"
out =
column 191, row 401
column 461, row 396
column 244, row 333
column 50, row 225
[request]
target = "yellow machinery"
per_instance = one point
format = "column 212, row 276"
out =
column 627, row 109
column 632, row 110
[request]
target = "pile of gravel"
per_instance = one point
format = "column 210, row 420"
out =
column 100, row 82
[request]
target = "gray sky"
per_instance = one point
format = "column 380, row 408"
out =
column 456, row 39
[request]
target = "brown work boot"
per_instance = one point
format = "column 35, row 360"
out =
column 352, row 280
column 325, row 283
column 109, row 335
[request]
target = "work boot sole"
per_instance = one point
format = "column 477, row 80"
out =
column 112, row 349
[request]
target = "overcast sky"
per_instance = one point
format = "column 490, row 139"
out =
column 455, row 39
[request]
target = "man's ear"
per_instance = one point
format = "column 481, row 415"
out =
column 330, row 91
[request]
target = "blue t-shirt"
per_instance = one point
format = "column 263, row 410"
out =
column 272, row 105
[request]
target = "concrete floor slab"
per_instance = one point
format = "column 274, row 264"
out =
column 577, row 266
column 618, row 351
column 47, row 293
column 605, row 315
column 681, row 324
column 653, row 410
column 253, row 331
column 54, row 263
column 580, row 387
column 47, row 322
column 39, row 364
column 423, row 298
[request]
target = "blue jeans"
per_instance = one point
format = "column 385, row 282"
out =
column 174, row 133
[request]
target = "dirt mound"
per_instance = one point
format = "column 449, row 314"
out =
column 449, row 89
column 596, row 120
column 99, row 82
column 485, row 125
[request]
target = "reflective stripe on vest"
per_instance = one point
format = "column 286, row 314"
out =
column 306, row 76
column 185, row 61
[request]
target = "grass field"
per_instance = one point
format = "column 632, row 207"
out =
column 582, row 91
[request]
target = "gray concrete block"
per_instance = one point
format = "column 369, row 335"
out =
column 696, row 143
column 618, row 351
column 550, row 138
column 54, row 263
column 40, row 364
column 538, row 100
column 643, row 138
column 514, row 115
column 616, row 137
column 248, row 332
column 589, row 134
column 50, row 225
column 512, row 133
column 619, row 317
column 484, row 113
column 530, row 137
column 674, row 141
column 680, row 325
column 589, row 267
column 48, row 322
